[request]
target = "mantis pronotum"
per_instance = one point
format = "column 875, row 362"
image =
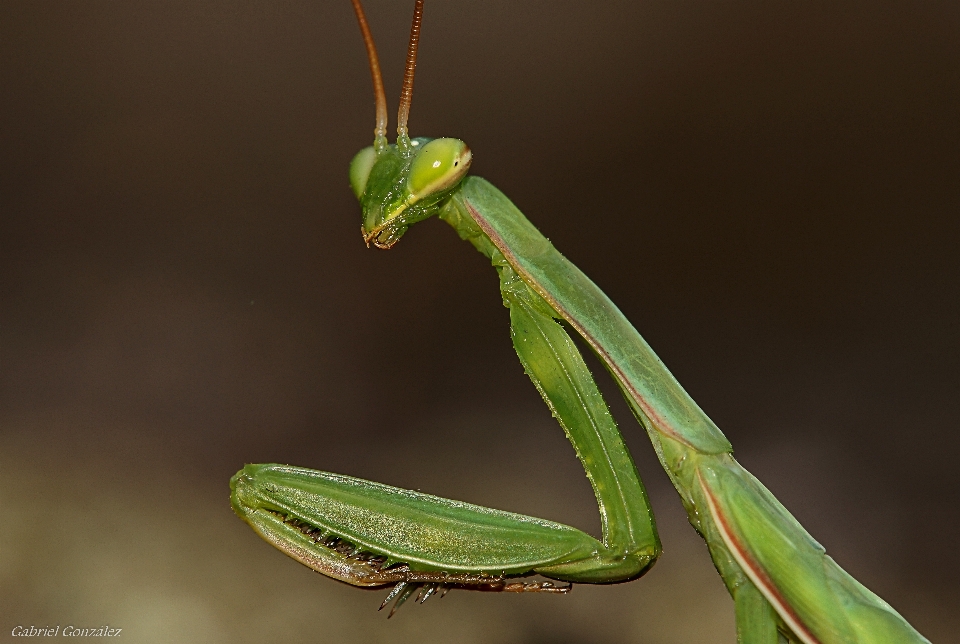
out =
column 785, row 587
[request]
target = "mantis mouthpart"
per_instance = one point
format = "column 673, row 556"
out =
column 784, row 585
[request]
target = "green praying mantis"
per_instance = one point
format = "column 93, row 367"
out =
column 784, row 585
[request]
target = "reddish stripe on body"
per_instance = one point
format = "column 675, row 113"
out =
column 660, row 423
column 753, row 570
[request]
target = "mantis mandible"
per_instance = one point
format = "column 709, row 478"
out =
column 784, row 585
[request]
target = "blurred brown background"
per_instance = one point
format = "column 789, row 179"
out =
column 770, row 191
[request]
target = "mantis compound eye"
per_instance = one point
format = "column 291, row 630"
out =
column 360, row 169
column 439, row 164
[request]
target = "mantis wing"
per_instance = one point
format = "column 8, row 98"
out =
column 819, row 600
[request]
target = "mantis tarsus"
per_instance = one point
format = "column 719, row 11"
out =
column 785, row 587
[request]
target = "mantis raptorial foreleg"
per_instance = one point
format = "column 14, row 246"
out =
column 336, row 524
column 785, row 587
column 558, row 371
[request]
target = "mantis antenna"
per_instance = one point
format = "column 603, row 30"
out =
column 406, row 94
column 380, row 132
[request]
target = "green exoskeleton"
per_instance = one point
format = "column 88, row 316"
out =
column 784, row 585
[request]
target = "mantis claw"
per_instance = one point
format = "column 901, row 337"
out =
column 426, row 591
column 405, row 591
column 393, row 593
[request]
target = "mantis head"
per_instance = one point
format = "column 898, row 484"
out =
column 399, row 185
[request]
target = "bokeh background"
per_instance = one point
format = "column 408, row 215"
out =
column 770, row 191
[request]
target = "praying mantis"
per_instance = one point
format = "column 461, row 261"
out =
column 784, row 586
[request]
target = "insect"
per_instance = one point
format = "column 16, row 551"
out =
column 784, row 585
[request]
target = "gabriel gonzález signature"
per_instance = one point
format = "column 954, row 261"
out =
column 68, row 631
